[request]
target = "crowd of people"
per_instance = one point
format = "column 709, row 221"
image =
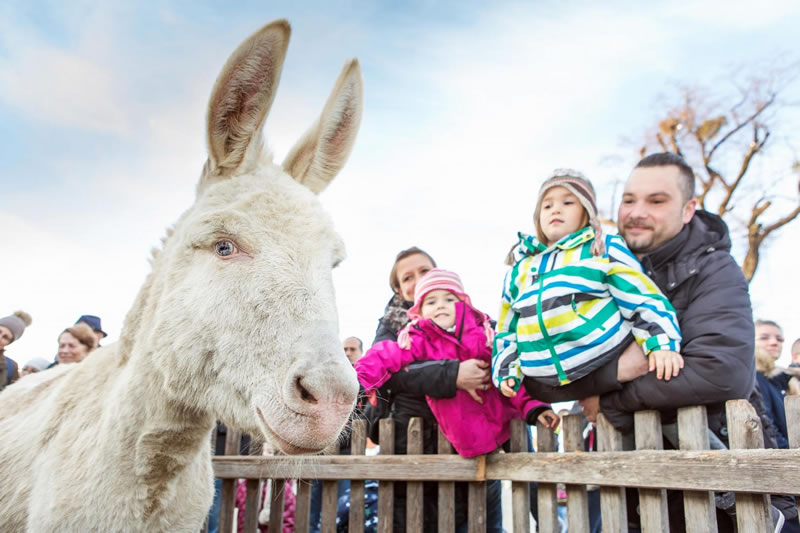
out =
column 657, row 316
column 74, row 343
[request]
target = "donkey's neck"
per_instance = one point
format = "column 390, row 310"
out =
column 167, row 439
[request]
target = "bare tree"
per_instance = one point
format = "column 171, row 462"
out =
column 721, row 136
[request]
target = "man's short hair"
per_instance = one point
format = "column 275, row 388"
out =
column 360, row 342
column 666, row 159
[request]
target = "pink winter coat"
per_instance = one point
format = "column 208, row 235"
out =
column 473, row 429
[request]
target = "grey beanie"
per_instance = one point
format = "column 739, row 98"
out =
column 16, row 323
column 39, row 363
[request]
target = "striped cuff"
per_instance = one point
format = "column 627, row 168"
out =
column 660, row 342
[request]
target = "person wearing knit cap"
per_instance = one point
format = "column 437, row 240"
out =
column 11, row 328
column 574, row 302
column 445, row 325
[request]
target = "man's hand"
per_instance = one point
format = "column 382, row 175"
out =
column 549, row 419
column 631, row 363
column 666, row 363
column 507, row 388
column 473, row 375
column 590, row 407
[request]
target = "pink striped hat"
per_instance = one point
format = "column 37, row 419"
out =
column 436, row 279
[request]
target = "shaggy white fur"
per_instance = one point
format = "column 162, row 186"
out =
column 237, row 322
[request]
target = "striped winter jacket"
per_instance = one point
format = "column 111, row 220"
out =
column 565, row 313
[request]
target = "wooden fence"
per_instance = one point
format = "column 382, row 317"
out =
column 746, row 469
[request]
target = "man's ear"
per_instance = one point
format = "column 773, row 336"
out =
column 689, row 210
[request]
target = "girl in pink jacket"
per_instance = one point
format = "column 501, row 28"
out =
column 445, row 325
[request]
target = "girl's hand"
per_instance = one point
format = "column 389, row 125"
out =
column 507, row 388
column 666, row 363
column 549, row 419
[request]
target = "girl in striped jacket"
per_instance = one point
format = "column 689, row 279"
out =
column 574, row 301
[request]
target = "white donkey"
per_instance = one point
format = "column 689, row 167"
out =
column 236, row 322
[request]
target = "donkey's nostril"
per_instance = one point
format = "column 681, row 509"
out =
column 304, row 392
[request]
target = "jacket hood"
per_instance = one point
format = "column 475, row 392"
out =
column 705, row 233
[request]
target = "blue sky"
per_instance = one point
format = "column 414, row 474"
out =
column 468, row 105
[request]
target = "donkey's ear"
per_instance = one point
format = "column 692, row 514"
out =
column 242, row 96
column 321, row 153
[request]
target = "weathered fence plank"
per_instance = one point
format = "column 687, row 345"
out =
column 330, row 491
column 612, row 499
column 414, row 494
column 251, row 507
column 447, row 491
column 520, row 491
column 476, row 502
column 276, row 499
column 547, row 498
column 577, row 498
column 228, row 499
column 385, row 487
column 792, row 405
column 699, row 508
column 358, row 445
column 302, row 510
column 652, row 502
column 744, row 432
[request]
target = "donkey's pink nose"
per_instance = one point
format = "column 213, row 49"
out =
column 322, row 390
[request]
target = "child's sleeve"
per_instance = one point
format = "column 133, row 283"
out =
column 529, row 408
column 380, row 362
column 655, row 324
column 505, row 359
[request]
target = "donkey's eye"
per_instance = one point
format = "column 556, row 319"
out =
column 225, row 248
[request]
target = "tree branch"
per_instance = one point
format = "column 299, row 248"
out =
column 741, row 125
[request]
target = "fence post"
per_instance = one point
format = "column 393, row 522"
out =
column 276, row 498
column 251, row 505
column 447, row 491
column 652, row 502
column 699, row 508
column 792, row 405
column 358, row 445
column 520, row 490
column 745, row 432
column 577, row 499
column 548, row 496
column 302, row 510
column 386, row 488
column 414, row 492
column 613, row 507
column 228, row 498
column 330, row 491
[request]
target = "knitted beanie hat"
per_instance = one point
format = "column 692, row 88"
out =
column 16, row 323
column 439, row 279
column 576, row 183
column 436, row 279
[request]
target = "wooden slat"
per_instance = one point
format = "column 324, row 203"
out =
column 414, row 494
column 760, row 471
column 652, row 503
column 302, row 510
column 476, row 505
column 390, row 468
column 447, row 491
column 251, row 506
column 547, row 495
column 329, row 498
column 228, row 500
column 358, row 437
column 520, row 491
column 276, row 498
column 792, row 405
column 699, row 508
column 577, row 498
column 385, row 487
column 744, row 432
column 613, row 506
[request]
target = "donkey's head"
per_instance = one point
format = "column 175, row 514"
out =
column 242, row 292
